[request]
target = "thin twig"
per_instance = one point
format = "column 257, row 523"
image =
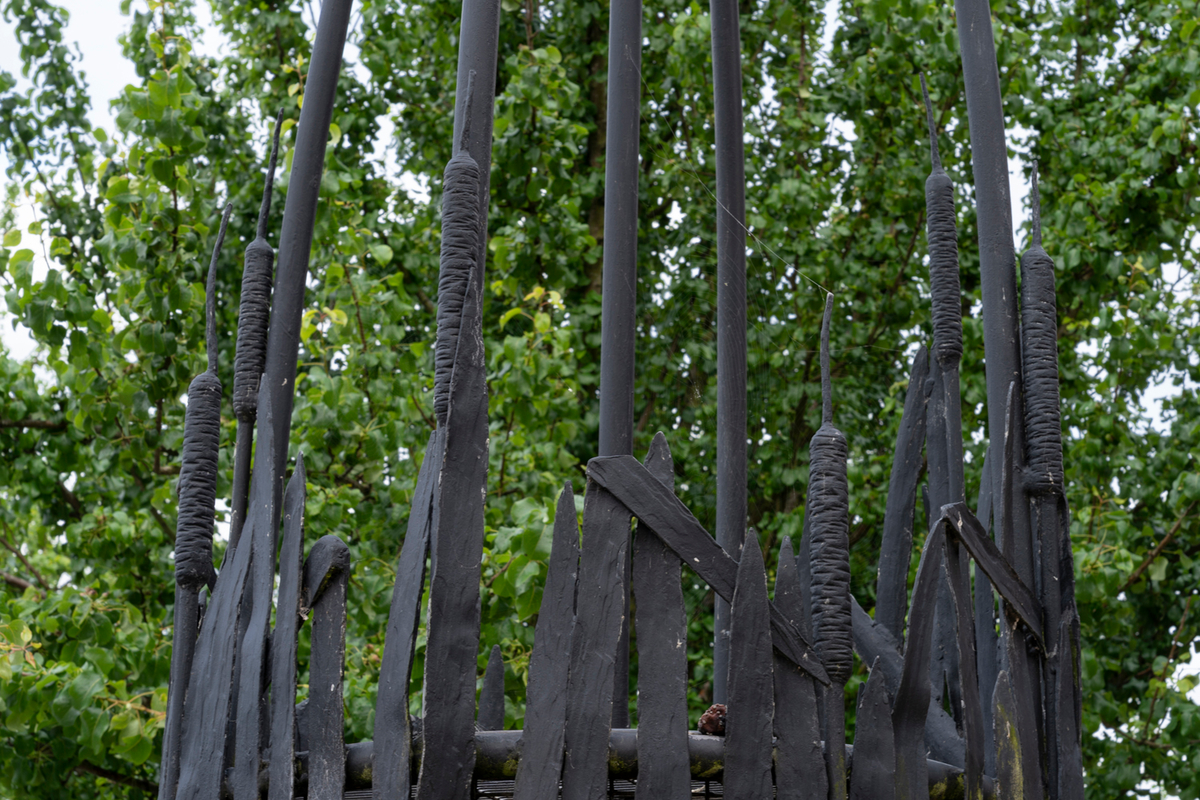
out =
column 1163, row 677
column 1137, row 573
column 499, row 572
column 16, row 552
column 40, row 424
column 162, row 523
column 15, row 582
column 116, row 777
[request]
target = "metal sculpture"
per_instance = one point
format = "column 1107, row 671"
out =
column 779, row 727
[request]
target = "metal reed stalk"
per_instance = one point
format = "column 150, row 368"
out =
column 253, row 318
column 997, row 257
column 731, row 310
column 942, row 236
column 299, row 219
column 478, row 36
column 194, row 528
column 618, row 323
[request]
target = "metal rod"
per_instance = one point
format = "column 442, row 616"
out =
column 499, row 755
column 997, row 257
column 478, row 36
column 731, row 309
column 618, row 322
column 187, row 615
column 242, row 450
column 299, row 219
column 253, row 318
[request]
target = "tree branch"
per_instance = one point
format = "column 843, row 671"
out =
column 37, row 575
column 71, row 499
column 1137, row 573
column 40, row 424
column 15, row 582
column 116, row 777
column 162, row 523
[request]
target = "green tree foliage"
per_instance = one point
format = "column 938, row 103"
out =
column 1103, row 95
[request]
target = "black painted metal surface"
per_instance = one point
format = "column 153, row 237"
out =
column 326, row 575
column 254, row 315
column 600, row 612
column 972, row 716
column 491, row 698
column 911, row 705
column 1010, row 782
column 876, row 646
column 550, row 663
column 205, row 713
column 799, row 756
column 284, row 642
column 194, row 526
column 299, row 218
column 662, row 653
column 731, row 307
column 499, row 755
column 618, row 325
column 655, row 505
column 478, row 35
column 896, row 548
column 873, row 776
column 454, row 601
column 393, row 753
column 997, row 258
column 751, row 707
column 252, row 648
column 829, row 508
column 986, row 646
column 1018, row 655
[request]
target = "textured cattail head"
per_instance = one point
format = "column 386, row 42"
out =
column 460, row 252
column 941, row 233
column 254, row 313
column 201, row 441
column 828, row 508
column 1039, row 362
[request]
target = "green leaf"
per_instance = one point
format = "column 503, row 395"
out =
column 383, row 253
column 1158, row 569
column 12, row 238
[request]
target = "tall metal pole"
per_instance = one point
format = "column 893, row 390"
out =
column 299, row 219
column 997, row 257
column 479, row 35
column 731, row 309
column 618, row 322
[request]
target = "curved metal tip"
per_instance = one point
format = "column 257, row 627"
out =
column 210, row 293
column 465, row 138
column 933, row 146
column 826, row 381
column 1037, row 207
column 265, row 210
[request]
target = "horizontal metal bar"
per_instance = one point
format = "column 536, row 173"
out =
column 499, row 752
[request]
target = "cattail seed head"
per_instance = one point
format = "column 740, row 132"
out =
column 1039, row 363
column 254, row 312
column 828, row 506
column 460, row 252
column 201, row 444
